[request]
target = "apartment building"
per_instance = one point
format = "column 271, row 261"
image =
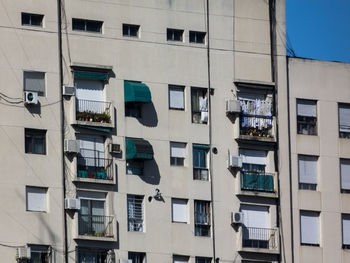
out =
column 156, row 141
column 319, row 108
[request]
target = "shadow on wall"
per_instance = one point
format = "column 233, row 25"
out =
column 149, row 115
column 151, row 173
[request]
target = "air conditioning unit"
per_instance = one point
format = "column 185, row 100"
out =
column 125, row 261
column 237, row 218
column 31, row 97
column 68, row 90
column 114, row 148
column 72, row 203
column 233, row 106
column 71, row 146
column 235, row 161
column 23, row 253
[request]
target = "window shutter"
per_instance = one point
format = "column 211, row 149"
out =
column 346, row 229
column 178, row 150
column 179, row 207
column 176, row 97
column 253, row 157
column 345, row 174
column 306, row 108
column 34, row 81
column 307, row 169
column 309, row 227
column 36, row 198
column 255, row 217
column 344, row 119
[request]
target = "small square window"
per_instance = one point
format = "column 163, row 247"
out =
column 344, row 121
column 179, row 210
column 36, row 198
column 131, row 30
column 176, row 97
column 35, row 141
column 137, row 257
column 197, row 37
column 177, row 153
column 86, row 25
column 39, row 254
column 34, row 81
column 203, row 260
column 306, row 117
column 174, row 34
column 32, row 19
column 180, row 259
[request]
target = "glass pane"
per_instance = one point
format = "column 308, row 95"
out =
column 98, row 208
column 78, row 24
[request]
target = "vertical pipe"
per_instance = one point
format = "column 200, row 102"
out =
column 60, row 69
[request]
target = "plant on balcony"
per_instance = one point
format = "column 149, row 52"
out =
column 93, row 117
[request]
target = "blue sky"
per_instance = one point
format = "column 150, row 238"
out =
column 319, row 29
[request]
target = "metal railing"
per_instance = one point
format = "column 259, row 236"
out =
column 255, row 237
column 96, row 226
column 202, row 218
column 201, row 174
column 253, row 181
column 95, row 168
column 93, row 111
column 256, row 125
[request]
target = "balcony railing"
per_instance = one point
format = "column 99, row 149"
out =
column 93, row 111
column 95, row 168
column 254, row 237
column 96, row 226
column 256, row 125
column 263, row 182
column 201, row 174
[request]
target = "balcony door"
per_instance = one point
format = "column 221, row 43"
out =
column 90, row 96
column 92, row 150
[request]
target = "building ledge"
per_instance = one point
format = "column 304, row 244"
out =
column 93, row 180
column 258, row 194
column 258, row 250
column 95, row 238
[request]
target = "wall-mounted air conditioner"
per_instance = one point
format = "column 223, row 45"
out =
column 31, row 97
column 114, row 148
column 234, row 161
column 233, row 106
column 72, row 203
column 71, row 146
column 23, row 253
column 125, row 261
column 68, row 91
column 236, row 218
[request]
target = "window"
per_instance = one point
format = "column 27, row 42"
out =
column 253, row 161
column 34, row 81
column 137, row 257
column 345, row 175
column 132, row 110
column 39, row 254
column 203, row 260
column 131, row 30
column 197, row 37
column 32, row 19
column 200, row 162
column 179, row 210
column 176, row 97
column 174, row 34
column 346, row 230
column 87, row 25
column 135, row 213
column 35, row 141
column 180, row 259
column 177, row 153
column 199, row 102
column 344, row 121
column 36, row 198
column 309, row 228
column 307, row 172
column 134, row 167
column 91, row 255
column 307, row 117
column 256, row 231
column 202, row 218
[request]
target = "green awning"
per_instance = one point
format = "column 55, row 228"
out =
column 106, row 130
column 201, row 146
column 136, row 92
column 138, row 149
column 91, row 75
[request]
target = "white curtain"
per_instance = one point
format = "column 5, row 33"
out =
column 309, row 227
column 176, row 98
column 253, row 156
column 345, row 174
column 36, row 198
column 307, row 169
column 177, row 149
column 179, row 207
column 306, row 108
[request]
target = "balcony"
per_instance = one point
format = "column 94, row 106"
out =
column 94, row 113
column 95, row 170
column 95, row 227
column 258, row 184
column 260, row 240
column 256, row 127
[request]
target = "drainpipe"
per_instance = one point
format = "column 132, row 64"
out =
column 60, row 69
column 210, row 134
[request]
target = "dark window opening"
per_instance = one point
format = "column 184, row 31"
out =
column 35, row 141
column 32, row 19
column 197, row 37
column 131, row 30
column 87, row 25
column 174, row 34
